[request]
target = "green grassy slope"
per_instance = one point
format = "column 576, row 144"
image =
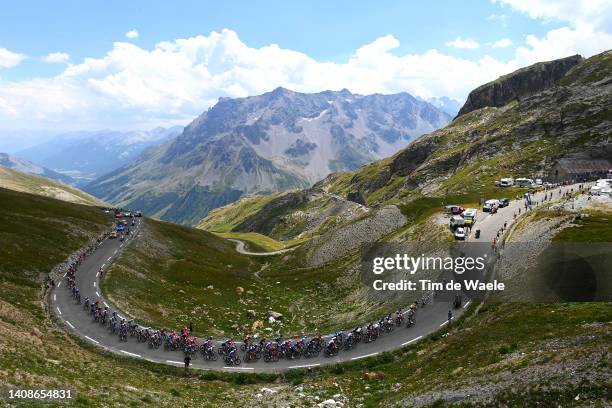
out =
column 226, row 218
column 36, row 233
column 173, row 275
column 513, row 355
column 28, row 183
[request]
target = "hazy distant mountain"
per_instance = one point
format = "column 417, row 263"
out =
column 271, row 142
column 12, row 141
column 446, row 104
column 25, row 166
column 88, row 155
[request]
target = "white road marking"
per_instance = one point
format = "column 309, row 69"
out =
column 446, row 322
column 467, row 304
column 69, row 324
column 239, row 368
column 106, row 304
column 174, row 362
column 103, row 265
column 114, row 253
column 305, row 366
column 58, row 285
column 54, row 298
column 94, row 284
column 97, row 294
column 58, row 311
column 89, row 338
column 109, row 258
column 65, row 274
column 130, row 354
column 412, row 341
column 97, row 274
column 121, row 246
column 364, row 356
column 121, row 317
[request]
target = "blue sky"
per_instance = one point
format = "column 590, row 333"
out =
column 324, row 30
column 98, row 77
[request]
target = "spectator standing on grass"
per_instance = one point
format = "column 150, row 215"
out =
column 450, row 316
column 187, row 362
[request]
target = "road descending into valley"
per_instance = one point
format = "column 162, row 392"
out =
column 241, row 247
column 430, row 318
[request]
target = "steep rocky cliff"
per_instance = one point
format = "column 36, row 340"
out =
column 519, row 84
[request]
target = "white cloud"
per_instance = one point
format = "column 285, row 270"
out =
column 132, row 87
column 503, row 43
column 463, row 43
column 563, row 41
column 132, row 34
column 562, row 10
column 177, row 80
column 9, row 59
column 587, row 32
column 56, row 58
column 501, row 18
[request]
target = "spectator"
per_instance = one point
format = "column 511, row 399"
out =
column 187, row 362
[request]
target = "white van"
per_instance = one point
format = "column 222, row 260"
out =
column 456, row 221
column 524, row 182
column 506, row 182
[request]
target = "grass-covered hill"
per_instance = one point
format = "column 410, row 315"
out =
column 28, row 183
column 512, row 355
column 36, row 233
column 174, row 274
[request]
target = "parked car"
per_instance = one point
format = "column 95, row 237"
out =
column 469, row 216
column 460, row 233
column 489, row 204
column 138, row 214
column 503, row 202
column 456, row 210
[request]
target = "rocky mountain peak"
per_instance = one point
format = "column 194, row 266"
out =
column 275, row 141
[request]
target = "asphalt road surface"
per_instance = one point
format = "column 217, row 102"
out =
column 428, row 319
column 241, row 247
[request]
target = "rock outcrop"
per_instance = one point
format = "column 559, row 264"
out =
column 356, row 197
column 519, row 84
